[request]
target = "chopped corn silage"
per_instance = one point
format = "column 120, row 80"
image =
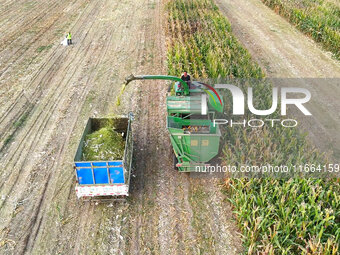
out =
column 104, row 144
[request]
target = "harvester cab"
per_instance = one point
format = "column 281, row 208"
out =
column 191, row 110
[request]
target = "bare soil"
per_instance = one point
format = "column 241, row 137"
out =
column 47, row 93
column 285, row 52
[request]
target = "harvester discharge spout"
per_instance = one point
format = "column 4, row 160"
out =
column 215, row 100
column 159, row 77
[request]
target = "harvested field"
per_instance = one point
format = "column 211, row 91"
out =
column 47, row 93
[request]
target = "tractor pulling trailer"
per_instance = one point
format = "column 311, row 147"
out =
column 194, row 138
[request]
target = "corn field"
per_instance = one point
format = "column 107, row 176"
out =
column 202, row 43
column 292, row 216
column 319, row 19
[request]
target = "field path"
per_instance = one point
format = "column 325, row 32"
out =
column 47, row 93
column 285, row 52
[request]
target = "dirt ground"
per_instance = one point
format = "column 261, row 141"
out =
column 285, row 52
column 47, row 93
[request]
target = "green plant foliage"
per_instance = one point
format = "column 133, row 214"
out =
column 104, row 144
column 42, row 48
column 318, row 19
column 292, row 216
column 202, row 43
column 298, row 216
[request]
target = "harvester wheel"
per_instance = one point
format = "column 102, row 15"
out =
column 175, row 162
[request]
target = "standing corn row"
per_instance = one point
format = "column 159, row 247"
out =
column 318, row 19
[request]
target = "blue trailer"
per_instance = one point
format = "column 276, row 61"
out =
column 109, row 179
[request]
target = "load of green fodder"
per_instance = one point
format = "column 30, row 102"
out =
column 294, row 216
column 319, row 19
column 104, row 144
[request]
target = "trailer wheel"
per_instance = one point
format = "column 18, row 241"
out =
column 175, row 162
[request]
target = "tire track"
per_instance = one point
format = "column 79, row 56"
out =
column 41, row 127
column 39, row 221
column 59, row 157
column 20, row 104
column 20, row 96
column 40, row 122
column 35, row 94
